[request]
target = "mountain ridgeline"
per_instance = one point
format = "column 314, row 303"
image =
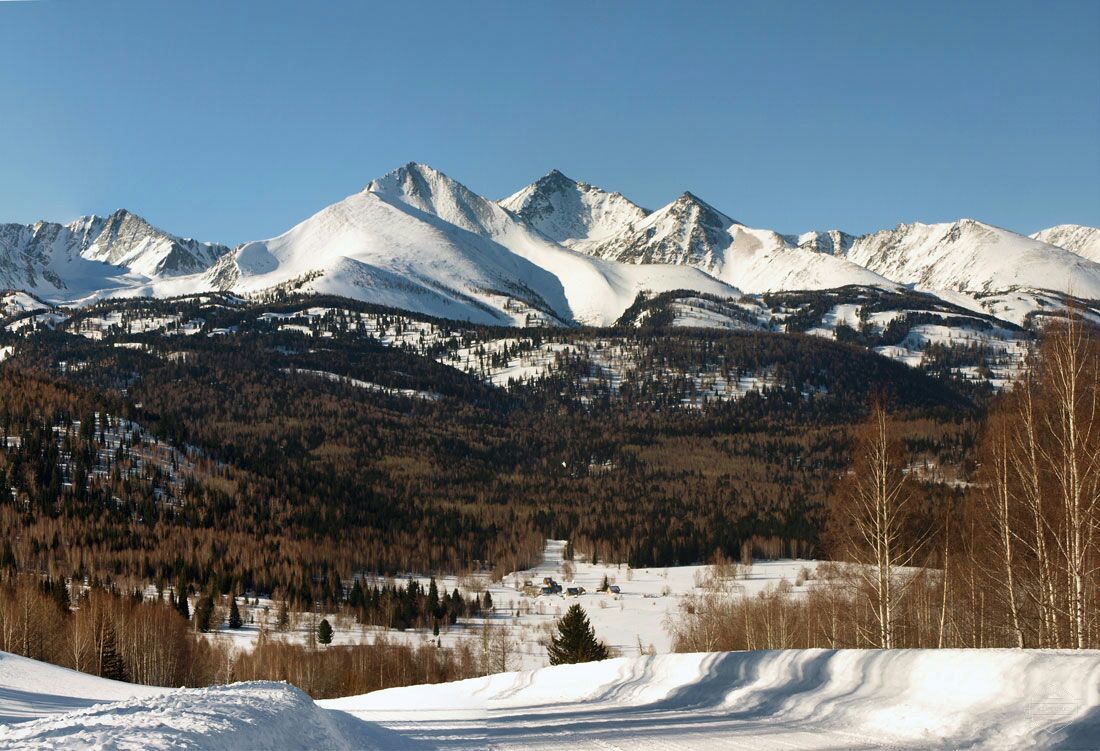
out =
column 557, row 252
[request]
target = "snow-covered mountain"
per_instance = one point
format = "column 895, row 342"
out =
column 972, row 257
column 834, row 242
column 572, row 213
column 127, row 240
column 416, row 239
column 1084, row 241
column 557, row 251
column 96, row 255
column 691, row 232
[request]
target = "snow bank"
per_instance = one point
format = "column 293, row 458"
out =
column 30, row 689
column 804, row 699
column 240, row 716
column 997, row 699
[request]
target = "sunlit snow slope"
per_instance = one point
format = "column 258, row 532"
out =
column 573, row 213
column 1084, row 241
column 691, row 232
column 418, row 240
column 800, row 699
column 973, row 257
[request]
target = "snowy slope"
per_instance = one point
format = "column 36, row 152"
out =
column 371, row 247
column 259, row 715
column 572, row 213
column 558, row 251
column 597, row 291
column 98, row 257
column 31, row 689
column 811, row 699
column 127, row 240
column 691, row 232
column 972, row 257
column 804, row 699
column 834, row 242
column 1084, row 241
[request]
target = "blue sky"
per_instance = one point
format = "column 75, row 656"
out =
column 231, row 121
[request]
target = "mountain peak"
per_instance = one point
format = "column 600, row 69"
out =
column 973, row 257
column 702, row 211
column 427, row 189
column 571, row 212
column 1076, row 238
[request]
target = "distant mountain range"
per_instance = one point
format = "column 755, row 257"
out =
column 558, row 251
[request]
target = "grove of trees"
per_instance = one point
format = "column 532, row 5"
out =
column 1013, row 560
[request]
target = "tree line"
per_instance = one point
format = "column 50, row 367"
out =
column 1010, row 560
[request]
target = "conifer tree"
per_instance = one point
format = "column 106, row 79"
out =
column 324, row 631
column 204, row 613
column 181, row 604
column 235, row 615
column 433, row 600
column 110, row 661
column 576, row 640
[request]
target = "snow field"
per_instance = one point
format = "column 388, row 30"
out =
column 796, row 699
column 632, row 623
column 802, row 699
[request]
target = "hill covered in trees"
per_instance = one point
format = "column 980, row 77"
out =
column 284, row 447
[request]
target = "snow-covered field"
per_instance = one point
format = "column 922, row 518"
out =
column 633, row 622
column 812, row 699
column 644, row 699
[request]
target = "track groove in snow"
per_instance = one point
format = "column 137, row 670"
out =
column 796, row 699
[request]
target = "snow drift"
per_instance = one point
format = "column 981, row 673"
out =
column 807, row 699
column 241, row 716
column 998, row 699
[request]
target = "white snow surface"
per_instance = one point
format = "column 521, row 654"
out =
column 794, row 699
column 691, row 232
column 95, row 257
column 416, row 239
column 575, row 214
column 558, row 251
column 30, row 689
column 1084, row 241
column 973, row 257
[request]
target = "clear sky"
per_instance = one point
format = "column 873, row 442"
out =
column 232, row 121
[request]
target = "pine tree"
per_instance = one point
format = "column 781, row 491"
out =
column 181, row 604
column 110, row 661
column 324, row 632
column 434, row 609
column 487, row 601
column 204, row 613
column 235, row 615
column 576, row 641
column 282, row 621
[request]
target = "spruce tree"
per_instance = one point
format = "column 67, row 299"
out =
column 181, row 604
column 235, row 615
column 434, row 609
column 324, row 631
column 487, row 601
column 204, row 613
column 576, row 641
column 110, row 661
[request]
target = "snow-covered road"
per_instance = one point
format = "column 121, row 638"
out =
column 811, row 699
